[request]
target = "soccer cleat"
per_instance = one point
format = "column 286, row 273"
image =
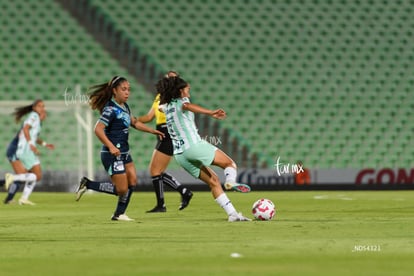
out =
column 238, row 217
column 8, row 180
column 122, row 217
column 82, row 188
column 242, row 188
column 9, row 201
column 158, row 209
column 185, row 200
column 26, row 202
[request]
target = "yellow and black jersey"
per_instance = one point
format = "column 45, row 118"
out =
column 159, row 116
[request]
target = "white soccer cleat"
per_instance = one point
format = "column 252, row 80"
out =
column 8, row 180
column 26, row 202
column 122, row 217
column 238, row 217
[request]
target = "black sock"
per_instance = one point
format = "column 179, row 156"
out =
column 171, row 181
column 159, row 190
column 104, row 187
column 14, row 187
column 123, row 202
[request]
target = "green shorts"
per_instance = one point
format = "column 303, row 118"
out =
column 28, row 158
column 198, row 155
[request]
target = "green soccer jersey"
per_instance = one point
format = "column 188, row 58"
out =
column 35, row 126
column 181, row 125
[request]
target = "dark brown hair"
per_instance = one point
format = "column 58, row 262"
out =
column 19, row 112
column 169, row 88
column 100, row 94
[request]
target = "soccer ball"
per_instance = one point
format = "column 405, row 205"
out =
column 263, row 209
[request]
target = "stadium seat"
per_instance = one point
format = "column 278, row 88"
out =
column 315, row 71
column 48, row 52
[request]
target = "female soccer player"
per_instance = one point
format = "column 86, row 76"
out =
column 22, row 152
column 190, row 151
column 161, row 158
column 112, row 129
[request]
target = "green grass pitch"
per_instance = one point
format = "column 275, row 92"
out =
column 314, row 233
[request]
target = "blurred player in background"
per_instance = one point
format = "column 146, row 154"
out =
column 302, row 177
column 112, row 129
column 161, row 158
column 23, row 153
column 194, row 154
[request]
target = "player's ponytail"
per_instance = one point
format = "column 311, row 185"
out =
column 19, row 112
column 100, row 94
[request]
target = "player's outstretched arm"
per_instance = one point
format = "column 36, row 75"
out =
column 217, row 113
column 45, row 144
column 147, row 117
column 135, row 123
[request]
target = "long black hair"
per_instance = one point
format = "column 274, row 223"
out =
column 19, row 112
column 100, row 94
column 169, row 88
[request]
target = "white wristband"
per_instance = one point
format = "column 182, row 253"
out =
column 31, row 143
column 44, row 143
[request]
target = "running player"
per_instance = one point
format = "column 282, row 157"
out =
column 194, row 154
column 112, row 129
column 22, row 153
column 161, row 158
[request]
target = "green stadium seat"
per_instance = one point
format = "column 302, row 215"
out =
column 51, row 52
column 315, row 70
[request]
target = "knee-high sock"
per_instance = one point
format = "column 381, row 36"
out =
column 28, row 189
column 123, row 202
column 101, row 186
column 230, row 173
column 24, row 177
column 173, row 183
column 14, row 187
column 226, row 204
column 157, row 182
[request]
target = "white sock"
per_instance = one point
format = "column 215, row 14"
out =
column 230, row 173
column 28, row 189
column 226, row 204
column 25, row 177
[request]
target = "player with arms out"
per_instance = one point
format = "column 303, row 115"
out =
column 161, row 157
column 23, row 153
column 194, row 154
column 112, row 129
